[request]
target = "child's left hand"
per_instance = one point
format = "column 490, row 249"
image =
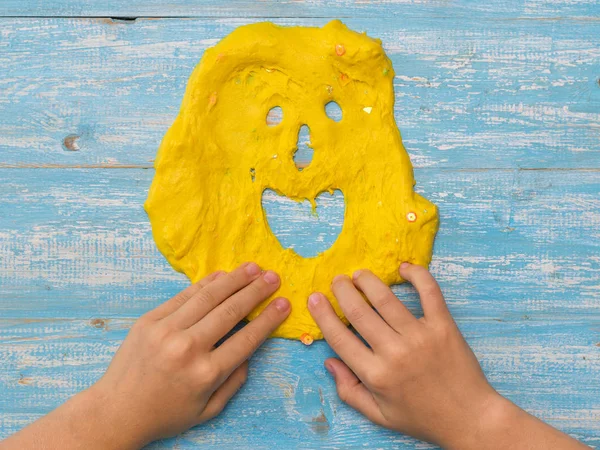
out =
column 167, row 376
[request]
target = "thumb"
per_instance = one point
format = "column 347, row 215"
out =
column 353, row 392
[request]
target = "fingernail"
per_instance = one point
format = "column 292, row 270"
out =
column 330, row 368
column 314, row 299
column 404, row 265
column 271, row 277
column 252, row 269
column 356, row 274
column 282, row 304
column 338, row 278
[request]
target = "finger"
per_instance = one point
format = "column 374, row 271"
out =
column 432, row 300
column 178, row 300
column 224, row 317
column 383, row 299
column 212, row 295
column 224, row 393
column 360, row 314
column 244, row 343
column 348, row 347
column 353, row 392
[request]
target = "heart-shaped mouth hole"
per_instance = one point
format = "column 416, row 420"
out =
column 297, row 226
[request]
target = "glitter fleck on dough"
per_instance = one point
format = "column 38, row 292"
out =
column 217, row 159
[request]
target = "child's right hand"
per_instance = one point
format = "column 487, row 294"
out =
column 419, row 376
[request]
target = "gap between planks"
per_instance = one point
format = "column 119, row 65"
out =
column 447, row 170
column 132, row 20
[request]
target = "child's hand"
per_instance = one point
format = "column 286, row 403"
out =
column 168, row 376
column 419, row 376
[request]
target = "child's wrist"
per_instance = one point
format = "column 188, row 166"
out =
column 99, row 422
column 494, row 416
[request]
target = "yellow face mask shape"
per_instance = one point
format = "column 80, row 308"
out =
column 221, row 153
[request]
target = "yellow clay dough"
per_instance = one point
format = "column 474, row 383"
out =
column 220, row 155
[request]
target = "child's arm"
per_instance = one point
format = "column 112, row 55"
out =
column 167, row 376
column 419, row 376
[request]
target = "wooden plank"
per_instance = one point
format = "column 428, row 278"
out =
column 399, row 9
column 548, row 367
column 469, row 93
column 512, row 244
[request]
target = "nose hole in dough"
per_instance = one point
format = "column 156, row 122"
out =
column 297, row 226
column 252, row 173
column 304, row 153
column 333, row 111
column 274, row 116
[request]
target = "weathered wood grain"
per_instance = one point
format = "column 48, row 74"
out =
column 469, row 93
column 547, row 367
column 397, row 9
column 77, row 243
column 485, row 92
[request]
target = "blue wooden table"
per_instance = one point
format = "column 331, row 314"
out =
column 499, row 107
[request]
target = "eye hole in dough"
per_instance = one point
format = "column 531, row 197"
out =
column 304, row 152
column 333, row 111
column 274, row 116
